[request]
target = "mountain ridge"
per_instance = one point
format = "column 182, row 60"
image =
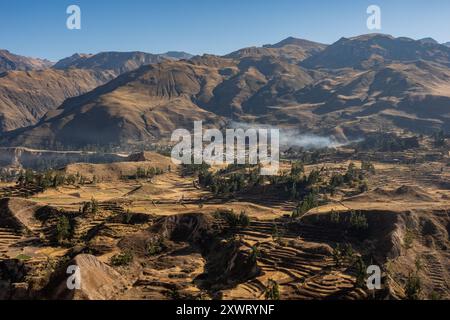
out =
column 368, row 82
column 11, row 62
column 372, row 50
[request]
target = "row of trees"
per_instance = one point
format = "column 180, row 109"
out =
column 149, row 173
column 49, row 179
column 233, row 219
column 295, row 184
column 388, row 142
column 230, row 180
column 354, row 177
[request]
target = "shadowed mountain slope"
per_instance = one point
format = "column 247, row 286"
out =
column 25, row 96
column 369, row 51
column 350, row 88
column 118, row 62
column 10, row 61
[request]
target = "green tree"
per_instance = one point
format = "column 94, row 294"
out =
column 94, row 206
column 413, row 287
column 63, row 229
column 297, row 169
column 272, row 290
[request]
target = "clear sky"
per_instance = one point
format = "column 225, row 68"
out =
column 38, row 27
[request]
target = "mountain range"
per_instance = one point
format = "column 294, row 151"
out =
column 10, row 61
column 118, row 62
column 347, row 89
column 31, row 87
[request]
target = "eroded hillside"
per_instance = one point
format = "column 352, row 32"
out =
column 157, row 231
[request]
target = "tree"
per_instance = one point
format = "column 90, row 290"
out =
column 309, row 202
column 276, row 234
column 351, row 174
column 272, row 290
column 363, row 187
column 337, row 180
column 337, row 256
column 235, row 220
column 297, row 169
column 361, row 273
column 335, row 217
column 358, row 221
column 439, row 138
column 244, row 219
column 254, row 254
column 413, row 287
column 94, row 206
column 367, row 166
column 313, row 177
column 63, row 229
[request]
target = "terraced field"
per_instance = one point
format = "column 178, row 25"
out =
column 193, row 243
column 19, row 191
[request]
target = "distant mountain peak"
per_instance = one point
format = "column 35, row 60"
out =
column 295, row 42
column 372, row 50
column 118, row 62
column 428, row 41
column 369, row 36
column 177, row 55
column 10, row 61
column 69, row 61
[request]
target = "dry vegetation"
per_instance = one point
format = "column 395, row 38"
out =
column 142, row 233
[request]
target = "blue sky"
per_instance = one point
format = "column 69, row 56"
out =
column 38, row 28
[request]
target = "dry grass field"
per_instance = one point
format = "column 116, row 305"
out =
column 164, row 237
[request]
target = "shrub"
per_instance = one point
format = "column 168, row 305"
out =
column 276, row 234
column 335, row 217
column 127, row 217
column 235, row 220
column 408, row 239
column 155, row 246
column 174, row 294
column 90, row 207
column 358, row 221
column 122, row 259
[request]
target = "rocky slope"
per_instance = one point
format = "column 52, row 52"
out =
column 10, row 61
column 117, row 62
column 25, row 96
column 370, row 51
column 349, row 88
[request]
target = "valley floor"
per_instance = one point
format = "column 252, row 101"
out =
column 406, row 207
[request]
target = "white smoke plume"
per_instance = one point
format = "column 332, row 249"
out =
column 293, row 137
